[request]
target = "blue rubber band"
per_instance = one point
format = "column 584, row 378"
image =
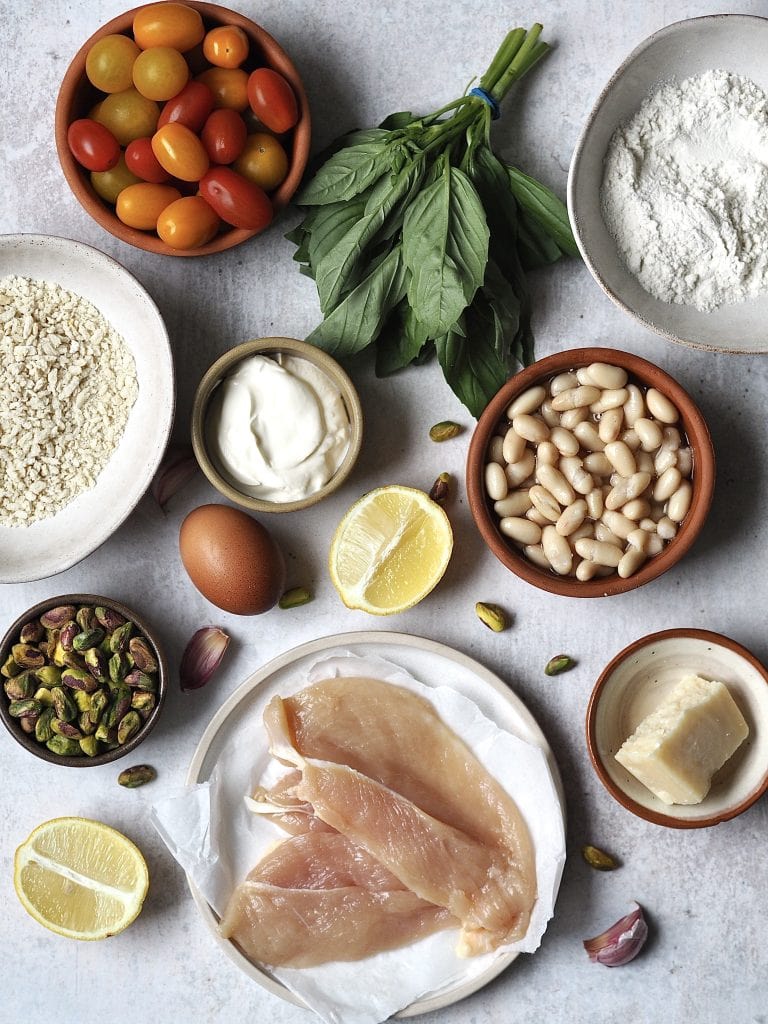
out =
column 487, row 98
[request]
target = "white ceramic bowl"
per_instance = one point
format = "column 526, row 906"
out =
column 637, row 681
column 734, row 42
column 51, row 545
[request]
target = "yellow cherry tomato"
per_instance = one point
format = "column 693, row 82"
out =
column 228, row 85
column 139, row 206
column 263, row 161
column 109, row 184
column 160, row 72
column 109, row 63
column 188, row 223
column 168, row 24
column 128, row 115
column 180, row 152
column 226, row 46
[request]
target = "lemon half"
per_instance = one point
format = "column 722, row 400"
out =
column 390, row 550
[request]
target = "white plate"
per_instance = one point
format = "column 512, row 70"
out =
column 52, row 545
column 432, row 663
column 735, row 42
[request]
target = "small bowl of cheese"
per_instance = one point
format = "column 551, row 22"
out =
column 677, row 728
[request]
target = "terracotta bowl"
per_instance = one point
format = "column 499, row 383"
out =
column 77, row 96
column 28, row 740
column 646, row 374
column 271, row 346
column 634, row 684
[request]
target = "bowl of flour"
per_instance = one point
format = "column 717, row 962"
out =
column 668, row 185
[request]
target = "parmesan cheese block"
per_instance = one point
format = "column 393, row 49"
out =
column 677, row 749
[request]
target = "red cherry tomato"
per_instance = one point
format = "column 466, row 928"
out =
column 94, row 146
column 140, row 159
column 224, row 135
column 272, row 100
column 237, row 201
column 190, row 107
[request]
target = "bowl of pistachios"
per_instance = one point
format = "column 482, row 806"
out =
column 83, row 679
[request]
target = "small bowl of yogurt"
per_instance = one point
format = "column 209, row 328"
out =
column 276, row 425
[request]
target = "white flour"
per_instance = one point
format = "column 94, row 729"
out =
column 685, row 191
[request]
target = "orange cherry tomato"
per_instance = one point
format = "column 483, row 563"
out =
column 139, row 206
column 180, row 152
column 140, row 159
column 226, row 46
column 168, row 24
column 263, row 161
column 109, row 63
column 109, row 184
column 188, row 223
column 190, row 107
column 272, row 100
column 128, row 115
column 237, row 201
column 160, row 72
column 223, row 136
column 228, row 85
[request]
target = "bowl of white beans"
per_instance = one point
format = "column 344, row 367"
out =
column 590, row 473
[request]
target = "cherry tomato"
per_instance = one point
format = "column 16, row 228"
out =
column 190, row 107
column 109, row 184
column 93, row 145
column 226, row 46
column 128, row 115
column 188, row 223
column 168, row 24
column 237, row 201
column 263, row 161
column 228, row 85
column 160, row 72
column 139, row 206
column 109, row 63
column 223, row 136
column 272, row 100
column 140, row 159
column 180, row 152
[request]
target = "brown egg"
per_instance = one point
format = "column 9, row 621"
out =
column 231, row 559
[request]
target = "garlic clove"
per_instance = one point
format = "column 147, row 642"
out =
column 621, row 942
column 202, row 657
column 177, row 469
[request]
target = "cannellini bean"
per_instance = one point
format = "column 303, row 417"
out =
column 595, row 503
column 648, row 525
column 597, row 464
column 534, row 516
column 562, row 382
column 565, row 442
column 572, row 518
column 607, row 376
column 583, row 376
column 495, row 482
column 586, row 570
column 665, row 458
column 547, row 454
column 618, row 495
column 644, row 463
column 634, row 407
column 610, row 425
column 631, row 440
column 655, row 545
column 589, row 437
column 535, row 553
column 555, row 483
column 649, row 433
column 680, row 502
column 573, row 471
column 587, row 529
column 638, row 484
column 639, row 539
column 606, row 536
column 545, row 503
column 512, row 447
column 530, row 427
column 667, row 529
column 609, row 400
column 515, row 504
column 600, row 552
column 670, row 438
column 519, row 471
column 557, row 550
column 521, row 530
column 575, row 398
column 549, row 415
column 496, row 452
column 619, row 524
column 636, row 509
column 571, row 417
column 660, row 407
column 667, row 484
column 527, row 402
column 630, row 562
column 685, row 461
column 621, row 458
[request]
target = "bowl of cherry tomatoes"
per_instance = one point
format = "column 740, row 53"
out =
column 182, row 128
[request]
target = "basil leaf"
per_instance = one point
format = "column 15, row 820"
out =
column 330, row 225
column 503, row 299
column 472, row 366
column 445, row 247
column 535, row 246
column 544, row 207
column 400, row 342
column 401, row 119
column 348, row 173
column 356, row 321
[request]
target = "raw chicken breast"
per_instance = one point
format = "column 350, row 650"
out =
column 282, row 806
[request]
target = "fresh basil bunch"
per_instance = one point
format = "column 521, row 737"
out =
column 418, row 238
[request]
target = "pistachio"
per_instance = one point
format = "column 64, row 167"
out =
column 142, row 701
column 48, row 644
column 99, row 701
column 72, row 659
column 10, row 668
column 138, row 775
column 491, row 616
column 118, row 641
column 444, row 430
column 21, row 687
column 43, row 730
column 65, row 729
column 86, row 618
column 143, row 658
column 128, row 727
column 25, row 708
column 106, row 734
column 598, row 859
column 97, row 664
column 64, row 746
column 85, row 725
column 82, row 700
column 57, row 653
column 44, row 695
column 31, row 632
column 67, row 634
column 441, row 489
column 63, row 705
column 141, row 681
column 89, row 746
column 89, row 638
column 27, row 656
column 560, row 663
column 55, row 618
column 295, row 598
column 77, row 679
column 121, row 702
column 108, row 618
column 49, row 675
column 118, row 668
column 28, row 723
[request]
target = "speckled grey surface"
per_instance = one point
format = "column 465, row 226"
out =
column 705, row 891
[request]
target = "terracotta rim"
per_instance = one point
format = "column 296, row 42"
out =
column 719, row 640
column 265, row 346
column 703, row 478
column 78, row 178
column 573, row 172
column 39, row 749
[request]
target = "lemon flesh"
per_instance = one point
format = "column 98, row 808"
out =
column 390, row 550
column 80, row 878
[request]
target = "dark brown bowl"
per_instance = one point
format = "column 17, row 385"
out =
column 27, row 740
column 77, row 96
column 703, row 478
